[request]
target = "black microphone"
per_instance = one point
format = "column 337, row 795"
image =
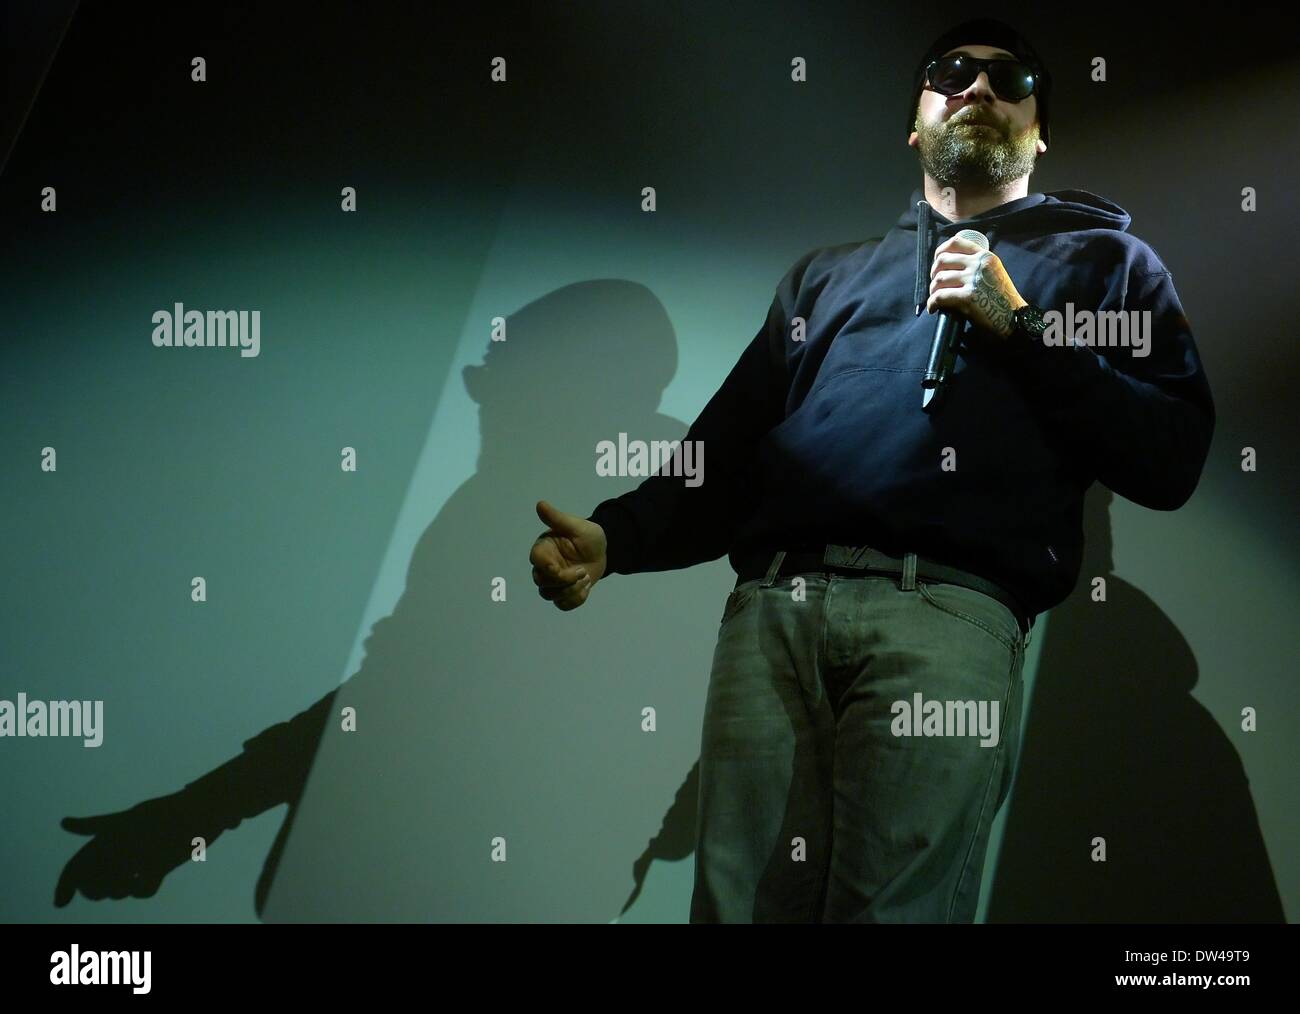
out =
column 945, row 340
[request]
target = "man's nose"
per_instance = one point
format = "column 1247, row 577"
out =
column 979, row 88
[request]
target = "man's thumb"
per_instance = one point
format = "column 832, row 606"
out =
column 565, row 524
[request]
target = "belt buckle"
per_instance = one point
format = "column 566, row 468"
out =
column 848, row 557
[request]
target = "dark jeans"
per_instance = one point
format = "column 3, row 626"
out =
column 814, row 807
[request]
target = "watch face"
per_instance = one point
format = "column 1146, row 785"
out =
column 1031, row 320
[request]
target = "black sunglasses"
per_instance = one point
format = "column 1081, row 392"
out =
column 1011, row 80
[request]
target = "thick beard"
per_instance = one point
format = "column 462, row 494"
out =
column 955, row 157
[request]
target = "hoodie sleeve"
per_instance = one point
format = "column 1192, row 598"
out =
column 665, row 524
column 1141, row 424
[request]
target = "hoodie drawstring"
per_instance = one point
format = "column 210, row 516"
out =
column 922, row 289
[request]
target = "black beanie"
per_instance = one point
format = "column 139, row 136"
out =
column 986, row 32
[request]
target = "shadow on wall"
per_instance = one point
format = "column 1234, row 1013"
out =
column 477, row 718
column 1116, row 747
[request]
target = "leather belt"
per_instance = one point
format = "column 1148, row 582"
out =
column 859, row 560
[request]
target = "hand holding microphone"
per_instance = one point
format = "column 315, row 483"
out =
column 967, row 282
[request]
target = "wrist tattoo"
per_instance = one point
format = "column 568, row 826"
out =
column 988, row 298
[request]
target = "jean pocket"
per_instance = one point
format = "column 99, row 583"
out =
column 974, row 607
column 739, row 596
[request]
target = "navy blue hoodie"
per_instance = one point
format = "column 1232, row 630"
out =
column 824, row 440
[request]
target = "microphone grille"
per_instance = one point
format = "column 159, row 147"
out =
column 978, row 238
